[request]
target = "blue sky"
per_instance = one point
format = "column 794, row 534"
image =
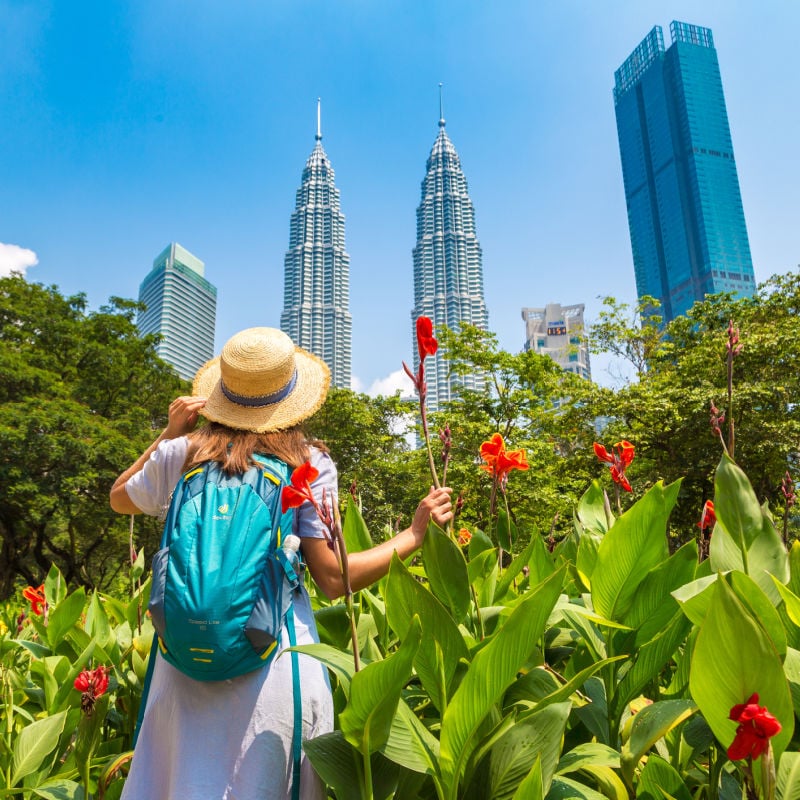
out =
column 125, row 126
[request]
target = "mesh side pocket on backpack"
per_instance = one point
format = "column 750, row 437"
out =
column 158, row 588
column 274, row 598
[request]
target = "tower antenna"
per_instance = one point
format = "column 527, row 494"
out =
column 319, row 120
column 441, row 108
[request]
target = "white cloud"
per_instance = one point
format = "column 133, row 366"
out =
column 391, row 383
column 14, row 258
column 356, row 384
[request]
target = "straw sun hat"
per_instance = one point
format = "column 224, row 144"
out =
column 261, row 382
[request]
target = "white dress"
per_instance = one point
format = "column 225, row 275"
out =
column 228, row 740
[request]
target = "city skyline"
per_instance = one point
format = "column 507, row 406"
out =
column 688, row 231
column 201, row 144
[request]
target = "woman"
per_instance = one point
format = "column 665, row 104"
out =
column 232, row 739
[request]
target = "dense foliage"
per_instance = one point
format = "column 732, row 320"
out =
column 80, row 395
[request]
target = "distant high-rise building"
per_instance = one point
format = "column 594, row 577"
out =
column 316, row 289
column 448, row 268
column 685, row 214
column 558, row 332
column 181, row 305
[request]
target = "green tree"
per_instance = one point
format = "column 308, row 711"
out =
column 368, row 439
column 80, row 396
column 534, row 404
column 666, row 412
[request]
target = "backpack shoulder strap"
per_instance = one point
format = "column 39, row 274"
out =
column 297, row 734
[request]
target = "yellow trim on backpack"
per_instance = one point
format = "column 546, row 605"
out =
column 270, row 477
column 192, row 473
column 265, row 654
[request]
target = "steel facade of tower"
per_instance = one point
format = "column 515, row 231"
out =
column 316, row 294
column 685, row 215
column 181, row 306
column 448, row 268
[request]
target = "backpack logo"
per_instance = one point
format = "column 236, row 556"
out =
column 223, row 509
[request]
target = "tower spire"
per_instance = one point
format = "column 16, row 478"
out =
column 319, row 120
column 441, row 108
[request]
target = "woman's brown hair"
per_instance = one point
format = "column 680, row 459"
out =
column 234, row 449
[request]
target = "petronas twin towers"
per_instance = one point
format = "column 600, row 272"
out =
column 448, row 271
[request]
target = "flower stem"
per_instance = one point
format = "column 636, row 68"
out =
column 344, row 568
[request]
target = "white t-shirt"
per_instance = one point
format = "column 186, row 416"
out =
column 228, row 740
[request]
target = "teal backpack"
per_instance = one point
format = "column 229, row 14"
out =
column 223, row 583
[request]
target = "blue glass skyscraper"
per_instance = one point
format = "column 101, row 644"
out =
column 685, row 213
column 181, row 306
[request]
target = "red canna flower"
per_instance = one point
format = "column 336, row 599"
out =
column 756, row 727
column 464, row 537
column 36, row 598
column 490, row 451
column 92, row 683
column 708, row 519
column 619, row 460
column 426, row 343
column 299, row 490
column 499, row 461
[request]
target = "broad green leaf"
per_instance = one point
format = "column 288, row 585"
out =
column 446, row 571
column 653, row 606
column 587, row 556
column 354, row 529
column 65, row 615
column 591, row 636
column 491, row 672
column 410, row 743
column 760, row 608
column 745, row 538
column 791, row 600
column 600, row 755
column 538, row 735
column 636, row 543
column 791, row 667
column 695, row 596
column 34, row 744
column 571, row 686
column 591, row 510
column 478, row 543
column 650, row 659
column 333, row 625
column 734, row 658
column 340, row 663
column 97, row 624
column 649, row 725
column 541, row 562
column 505, row 531
column 55, row 587
column 378, row 610
column 482, row 573
column 375, row 693
column 59, row 789
column 531, row 786
column 407, row 598
column 338, row 764
column 511, row 572
column 567, row 789
column 789, row 776
column 794, row 567
column 609, row 783
column 138, row 566
column 658, row 777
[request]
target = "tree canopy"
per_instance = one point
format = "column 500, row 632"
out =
column 80, row 395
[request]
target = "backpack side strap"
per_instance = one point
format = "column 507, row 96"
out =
column 297, row 736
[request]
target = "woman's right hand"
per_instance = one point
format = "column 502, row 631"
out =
column 183, row 415
column 437, row 506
